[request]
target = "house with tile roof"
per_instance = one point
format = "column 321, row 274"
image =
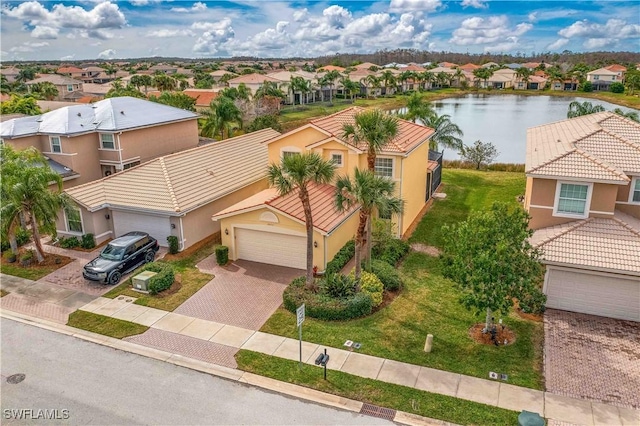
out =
column 254, row 226
column 602, row 78
column 583, row 196
column 99, row 139
column 252, row 81
column 173, row 194
column 66, row 85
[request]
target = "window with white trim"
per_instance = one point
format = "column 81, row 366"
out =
column 336, row 159
column 74, row 220
column 130, row 165
column 286, row 154
column 69, row 87
column 106, row 141
column 56, row 146
column 635, row 190
column 572, row 199
column 384, row 167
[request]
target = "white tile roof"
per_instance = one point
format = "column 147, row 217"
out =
column 182, row 181
column 600, row 146
column 108, row 115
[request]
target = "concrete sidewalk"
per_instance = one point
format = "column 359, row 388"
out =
column 554, row 407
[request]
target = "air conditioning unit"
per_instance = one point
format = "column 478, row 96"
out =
column 141, row 281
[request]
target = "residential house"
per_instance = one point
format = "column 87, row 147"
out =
column 66, row 86
column 602, row 78
column 218, row 74
column 252, row 81
column 534, row 82
column 172, row 195
column 366, row 66
column 70, row 71
column 102, row 138
column 10, row 73
column 469, row 67
column 583, row 196
column 297, row 97
column 164, row 69
column 331, row 68
column 268, row 228
column 203, row 97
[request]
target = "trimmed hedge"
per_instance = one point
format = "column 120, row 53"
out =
column 533, row 303
column 342, row 257
column 173, row 244
column 390, row 251
column 88, row 241
column 323, row 306
column 222, row 255
column 387, row 274
column 164, row 278
column 69, row 243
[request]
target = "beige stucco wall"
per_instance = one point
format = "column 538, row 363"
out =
column 543, row 192
column 340, row 236
column 299, row 139
column 152, row 142
column 95, row 223
column 527, row 193
column 603, row 199
column 414, row 183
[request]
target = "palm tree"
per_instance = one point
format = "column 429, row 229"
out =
column 483, row 74
column 164, row 83
column 46, row 89
column 524, row 74
column 26, row 74
column 459, row 75
column 373, row 82
column 298, row 172
column 223, row 114
column 418, row 108
column 404, row 77
column 329, row 79
column 143, row 80
column 349, row 86
column 631, row 115
column 446, row 132
column 577, row 109
column 388, row 79
column 371, row 193
column 373, row 127
column 26, row 177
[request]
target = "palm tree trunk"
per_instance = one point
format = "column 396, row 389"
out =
column 36, row 239
column 306, row 206
column 360, row 235
column 367, row 253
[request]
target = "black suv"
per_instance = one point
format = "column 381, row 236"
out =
column 120, row 256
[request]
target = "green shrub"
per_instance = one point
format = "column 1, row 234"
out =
column 324, row 307
column 22, row 236
column 341, row 258
column 587, row 86
column 222, row 255
column 88, row 241
column 163, row 279
column 387, row 274
column 9, row 256
column 533, row 303
column 617, row 87
column 27, row 257
column 4, row 244
column 69, row 243
column 372, row 285
column 173, row 244
column 390, row 251
column 338, row 285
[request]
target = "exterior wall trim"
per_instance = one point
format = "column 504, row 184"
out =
column 591, row 270
column 575, row 179
column 587, row 201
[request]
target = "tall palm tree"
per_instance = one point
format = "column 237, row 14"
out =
column 446, row 132
column 329, row 79
column 298, row 172
column 418, row 108
column 373, row 127
column 388, row 79
column 164, row 83
column 141, row 80
column 371, row 193
column 223, row 115
column 26, row 177
column 483, row 74
column 372, row 82
column 46, row 90
column 349, row 86
column 459, row 75
column 524, row 74
column 577, row 109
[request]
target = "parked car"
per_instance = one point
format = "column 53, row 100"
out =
column 121, row 256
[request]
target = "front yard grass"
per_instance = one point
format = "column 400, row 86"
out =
column 35, row 271
column 374, row 392
column 429, row 302
column 106, row 326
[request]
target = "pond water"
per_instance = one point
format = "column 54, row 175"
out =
column 503, row 119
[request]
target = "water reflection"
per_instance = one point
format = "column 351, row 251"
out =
column 503, row 119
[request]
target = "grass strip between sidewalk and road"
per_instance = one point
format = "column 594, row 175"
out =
column 104, row 325
column 375, row 392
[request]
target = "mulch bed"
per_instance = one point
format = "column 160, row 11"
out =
column 210, row 240
column 502, row 333
column 49, row 260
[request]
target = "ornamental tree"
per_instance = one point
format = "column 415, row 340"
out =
column 490, row 259
column 479, row 153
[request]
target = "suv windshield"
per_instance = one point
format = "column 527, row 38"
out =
column 112, row 252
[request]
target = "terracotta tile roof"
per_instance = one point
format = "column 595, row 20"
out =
column 366, row 65
column 202, row 97
column 254, row 79
column 331, row 68
column 447, row 64
column 182, row 181
column 68, row 70
column 410, row 135
column 413, row 68
column 594, row 243
column 56, row 79
column 469, row 67
column 608, row 144
column 616, row 68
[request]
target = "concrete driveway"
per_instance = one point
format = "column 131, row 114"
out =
column 244, row 294
column 592, row 357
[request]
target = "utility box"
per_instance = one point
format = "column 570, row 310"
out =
column 141, row 281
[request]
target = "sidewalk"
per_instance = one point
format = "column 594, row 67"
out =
column 214, row 342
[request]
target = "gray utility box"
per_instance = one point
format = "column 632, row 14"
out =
column 141, row 281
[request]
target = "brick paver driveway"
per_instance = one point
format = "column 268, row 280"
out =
column 244, row 294
column 592, row 357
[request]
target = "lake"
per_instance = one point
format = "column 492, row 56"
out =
column 503, row 119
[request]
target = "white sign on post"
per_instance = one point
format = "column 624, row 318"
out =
column 300, row 314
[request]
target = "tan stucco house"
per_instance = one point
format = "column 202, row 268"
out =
column 66, row 86
column 583, row 195
column 602, row 78
column 271, row 229
column 105, row 137
column 172, row 195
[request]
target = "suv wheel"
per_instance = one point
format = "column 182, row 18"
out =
column 149, row 257
column 114, row 278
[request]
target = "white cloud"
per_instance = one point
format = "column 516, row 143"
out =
column 599, row 36
column 46, row 33
column 29, row 46
column 414, row 5
column 214, row 36
column 196, row 7
column 68, row 57
column 506, row 46
column 494, row 29
column 558, row 44
column 165, row 33
column 107, row 54
column 599, row 43
column 476, row 4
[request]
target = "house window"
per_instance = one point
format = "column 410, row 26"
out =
column 596, row 77
column 635, row 190
column 74, row 221
column 384, row 167
column 55, row 144
column 130, row 165
column 572, row 199
column 106, row 141
column 69, row 87
column 337, row 159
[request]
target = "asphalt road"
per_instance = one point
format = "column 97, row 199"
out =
column 100, row 385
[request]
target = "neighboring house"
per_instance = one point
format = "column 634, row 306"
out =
column 10, row 73
column 218, row 74
column 252, row 81
column 534, row 83
column 164, row 69
column 602, row 78
column 172, row 195
column 105, row 137
column 66, row 85
column 70, row 71
column 203, row 97
column 276, row 222
column 583, row 196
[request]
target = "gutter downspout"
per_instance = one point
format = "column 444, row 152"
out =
column 401, row 215
column 181, row 235
column 120, row 152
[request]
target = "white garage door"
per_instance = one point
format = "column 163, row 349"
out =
column 610, row 296
column 158, row 227
column 271, row 248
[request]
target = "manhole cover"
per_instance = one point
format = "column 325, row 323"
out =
column 375, row 411
column 15, row 378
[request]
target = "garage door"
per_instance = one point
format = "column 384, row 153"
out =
column 610, row 296
column 271, row 248
column 158, row 227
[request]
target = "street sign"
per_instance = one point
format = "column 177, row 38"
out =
column 300, row 314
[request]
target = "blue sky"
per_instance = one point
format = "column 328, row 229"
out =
column 88, row 29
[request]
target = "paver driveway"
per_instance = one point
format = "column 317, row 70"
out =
column 244, row 294
column 592, row 357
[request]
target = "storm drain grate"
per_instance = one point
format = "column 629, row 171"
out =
column 14, row 379
column 375, row 411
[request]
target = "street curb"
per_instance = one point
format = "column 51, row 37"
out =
column 296, row 391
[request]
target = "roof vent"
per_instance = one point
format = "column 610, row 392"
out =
column 79, row 115
column 122, row 112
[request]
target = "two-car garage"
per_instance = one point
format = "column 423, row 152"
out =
column 604, row 294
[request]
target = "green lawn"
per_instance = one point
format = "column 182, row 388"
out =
column 429, row 302
column 34, row 271
column 106, row 326
column 374, row 392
